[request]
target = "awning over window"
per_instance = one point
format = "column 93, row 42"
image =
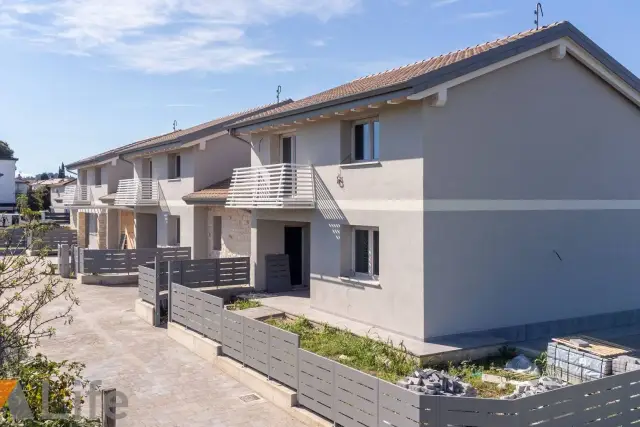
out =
column 96, row 211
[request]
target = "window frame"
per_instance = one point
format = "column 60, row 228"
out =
column 175, row 166
column 371, row 256
column 371, row 122
column 97, row 176
column 292, row 136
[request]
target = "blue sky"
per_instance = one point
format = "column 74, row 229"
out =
column 82, row 76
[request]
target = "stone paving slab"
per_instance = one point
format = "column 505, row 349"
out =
column 166, row 384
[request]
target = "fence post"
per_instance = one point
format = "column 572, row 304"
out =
column 156, row 291
column 170, row 282
column 63, row 260
column 217, row 269
column 43, row 215
column 109, row 407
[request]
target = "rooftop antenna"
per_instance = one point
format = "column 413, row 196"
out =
column 278, row 92
column 175, row 125
column 538, row 14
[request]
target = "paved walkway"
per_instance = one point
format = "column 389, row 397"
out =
column 166, row 384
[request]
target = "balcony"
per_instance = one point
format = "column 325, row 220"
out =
column 280, row 186
column 137, row 192
column 76, row 195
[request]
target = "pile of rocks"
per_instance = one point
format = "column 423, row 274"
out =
column 432, row 382
column 531, row 388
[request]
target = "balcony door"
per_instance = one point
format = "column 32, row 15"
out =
column 288, row 157
column 288, row 149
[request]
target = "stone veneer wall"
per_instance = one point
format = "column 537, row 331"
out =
column 82, row 232
column 236, row 232
column 102, row 231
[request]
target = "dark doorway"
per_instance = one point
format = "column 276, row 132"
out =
column 293, row 248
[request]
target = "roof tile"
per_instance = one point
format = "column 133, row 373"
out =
column 391, row 77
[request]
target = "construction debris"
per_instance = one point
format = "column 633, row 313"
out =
column 522, row 365
column 432, row 382
column 622, row 364
column 531, row 388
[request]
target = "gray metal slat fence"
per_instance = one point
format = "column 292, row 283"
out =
column 50, row 239
column 13, row 241
column 110, row 261
column 352, row 398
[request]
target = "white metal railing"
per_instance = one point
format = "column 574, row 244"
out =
column 76, row 195
column 282, row 185
column 134, row 192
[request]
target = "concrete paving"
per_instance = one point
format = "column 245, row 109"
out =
column 165, row 383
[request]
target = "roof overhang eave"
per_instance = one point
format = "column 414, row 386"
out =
column 185, row 141
column 372, row 97
column 204, row 202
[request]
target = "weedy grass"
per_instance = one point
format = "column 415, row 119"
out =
column 367, row 354
column 243, row 304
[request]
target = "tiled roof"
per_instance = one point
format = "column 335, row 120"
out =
column 176, row 135
column 390, row 78
column 53, row 181
column 216, row 193
column 111, row 197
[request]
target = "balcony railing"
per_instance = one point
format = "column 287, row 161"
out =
column 76, row 195
column 281, row 186
column 136, row 192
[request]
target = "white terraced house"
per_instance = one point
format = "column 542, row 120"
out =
column 143, row 205
column 490, row 189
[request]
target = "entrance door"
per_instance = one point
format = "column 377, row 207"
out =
column 293, row 248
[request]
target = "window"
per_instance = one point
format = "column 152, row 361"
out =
column 178, row 231
column 366, row 140
column 365, row 258
column 217, row 233
column 175, row 166
column 98, row 176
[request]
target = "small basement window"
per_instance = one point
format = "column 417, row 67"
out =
column 366, row 140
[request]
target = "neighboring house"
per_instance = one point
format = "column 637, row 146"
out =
column 7, row 184
column 486, row 189
column 97, row 222
column 22, row 186
column 147, row 201
column 57, row 188
column 228, row 231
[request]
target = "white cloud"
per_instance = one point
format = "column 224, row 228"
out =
column 160, row 36
column 482, row 15
column 441, row 3
column 318, row 43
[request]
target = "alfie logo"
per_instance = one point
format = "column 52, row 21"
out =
column 11, row 393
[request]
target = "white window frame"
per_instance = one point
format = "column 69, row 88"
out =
column 370, row 275
column 293, row 147
column 370, row 121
